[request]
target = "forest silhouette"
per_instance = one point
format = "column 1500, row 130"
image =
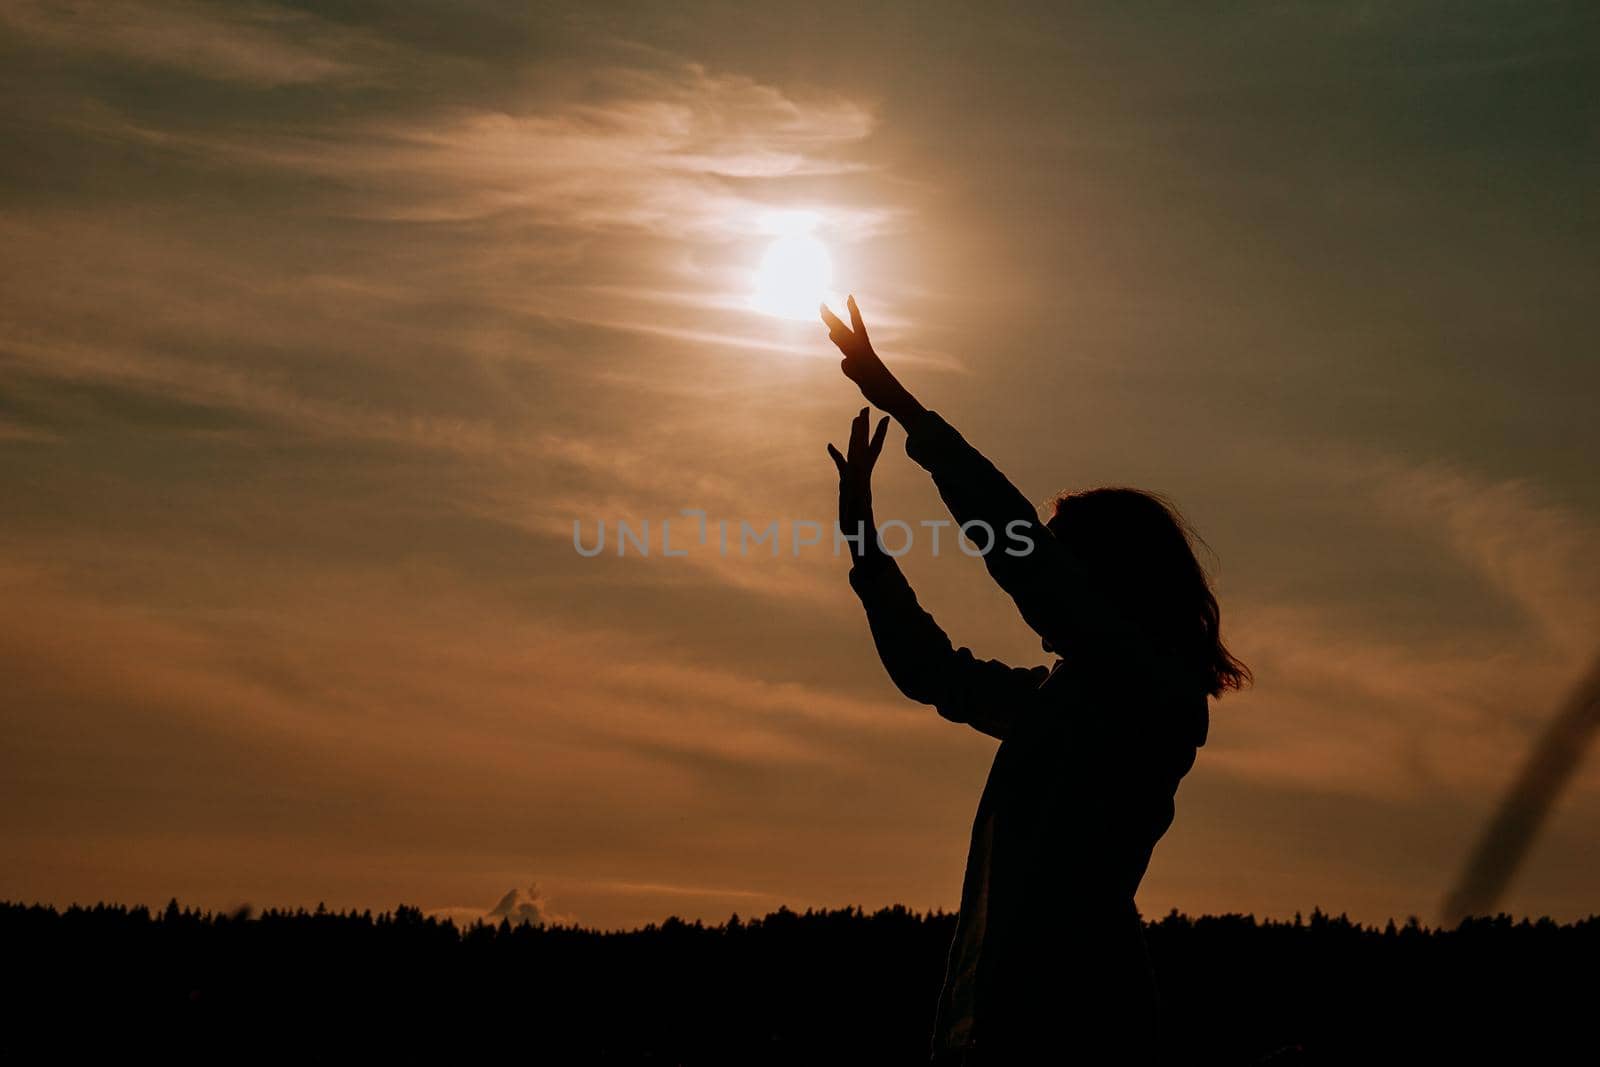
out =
column 843, row 986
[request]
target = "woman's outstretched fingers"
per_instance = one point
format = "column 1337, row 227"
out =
column 877, row 439
column 855, row 320
column 838, row 460
column 838, row 332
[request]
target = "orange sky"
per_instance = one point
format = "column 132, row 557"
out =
column 320, row 324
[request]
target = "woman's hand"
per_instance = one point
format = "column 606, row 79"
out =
column 855, row 484
column 862, row 366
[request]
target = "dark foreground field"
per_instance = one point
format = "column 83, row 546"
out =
column 817, row 988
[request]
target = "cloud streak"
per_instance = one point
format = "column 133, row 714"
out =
column 254, row 44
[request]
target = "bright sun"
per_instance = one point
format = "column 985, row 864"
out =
column 796, row 270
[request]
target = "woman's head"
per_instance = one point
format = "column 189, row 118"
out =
column 1141, row 552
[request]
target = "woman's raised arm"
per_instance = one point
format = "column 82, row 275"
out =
column 1053, row 592
column 920, row 659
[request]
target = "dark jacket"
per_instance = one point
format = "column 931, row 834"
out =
column 1048, row 948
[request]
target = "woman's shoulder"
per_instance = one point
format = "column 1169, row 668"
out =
column 1118, row 702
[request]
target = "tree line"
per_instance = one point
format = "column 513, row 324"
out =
column 841, row 986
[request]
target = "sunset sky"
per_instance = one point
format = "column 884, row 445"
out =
column 320, row 324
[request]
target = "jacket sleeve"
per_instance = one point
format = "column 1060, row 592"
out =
column 922, row 664
column 1053, row 592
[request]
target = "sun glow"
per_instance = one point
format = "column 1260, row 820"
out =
column 795, row 271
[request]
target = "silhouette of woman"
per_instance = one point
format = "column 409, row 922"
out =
column 1048, row 959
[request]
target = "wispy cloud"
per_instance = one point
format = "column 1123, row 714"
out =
column 255, row 44
column 1351, row 706
column 678, row 153
column 1544, row 558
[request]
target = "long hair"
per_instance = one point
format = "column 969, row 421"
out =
column 1141, row 551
